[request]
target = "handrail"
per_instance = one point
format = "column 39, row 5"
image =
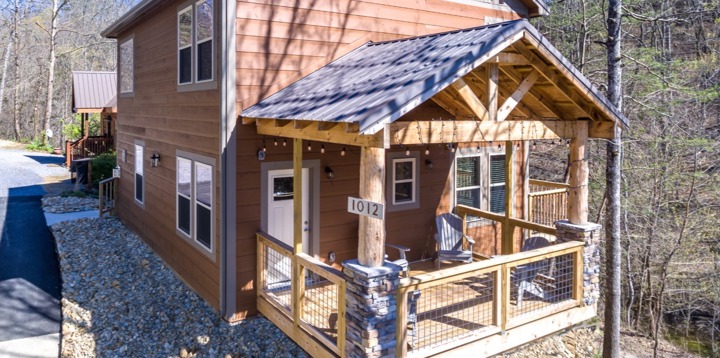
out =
column 512, row 222
column 305, row 290
column 107, row 195
column 549, row 184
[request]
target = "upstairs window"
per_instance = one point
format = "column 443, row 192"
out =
column 497, row 183
column 195, row 43
column 127, row 66
column 480, row 180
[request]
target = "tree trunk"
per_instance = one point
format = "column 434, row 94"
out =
column 16, row 63
column 611, row 339
column 6, row 59
column 51, row 71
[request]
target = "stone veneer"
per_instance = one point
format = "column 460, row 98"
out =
column 371, row 309
column 591, row 255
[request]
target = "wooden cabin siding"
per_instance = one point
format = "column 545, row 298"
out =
column 279, row 42
column 167, row 120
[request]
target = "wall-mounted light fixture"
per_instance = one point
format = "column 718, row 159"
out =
column 155, row 158
column 428, row 163
column 329, row 173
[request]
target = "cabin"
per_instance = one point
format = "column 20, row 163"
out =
column 93, row 93
column 357, row 171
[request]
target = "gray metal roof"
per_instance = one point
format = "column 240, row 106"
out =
column 379, row 82
column 93, row 90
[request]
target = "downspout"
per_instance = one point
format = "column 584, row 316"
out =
column 228, row 167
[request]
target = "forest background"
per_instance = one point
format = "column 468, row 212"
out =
column 671, row 94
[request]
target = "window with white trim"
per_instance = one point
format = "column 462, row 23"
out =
column 139, row 174
column 194, row 200
column 480, row 181
column 403, row 181
column 196, row 60
column 127, row 66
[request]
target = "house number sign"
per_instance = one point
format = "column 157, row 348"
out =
column 366, row 207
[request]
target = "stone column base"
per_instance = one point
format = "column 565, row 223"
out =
column 371, row 309
column 591, row 255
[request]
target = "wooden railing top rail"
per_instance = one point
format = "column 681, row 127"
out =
column 549, row 184
column 548, row 192
column 275, row 244
column 492, row 264
column 462, row 209
column 108, row 180
column 326, row 271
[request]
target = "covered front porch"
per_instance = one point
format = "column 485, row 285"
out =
column 494, row 91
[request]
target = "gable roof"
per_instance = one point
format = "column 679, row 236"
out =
column 147, row 8
column 93, row 90
column 379, row 82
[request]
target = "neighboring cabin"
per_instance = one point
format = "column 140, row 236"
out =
column 211, row 88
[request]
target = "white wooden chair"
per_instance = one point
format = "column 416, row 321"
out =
column 450, row 238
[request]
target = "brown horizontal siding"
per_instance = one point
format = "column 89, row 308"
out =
column 167, row 120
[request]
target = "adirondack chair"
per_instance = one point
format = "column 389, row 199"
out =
column 525, row 274
column 449, row 239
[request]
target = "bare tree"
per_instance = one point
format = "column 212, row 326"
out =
column 613, row 277
column 57, row 5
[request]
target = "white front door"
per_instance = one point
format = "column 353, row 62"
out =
column 280, row 201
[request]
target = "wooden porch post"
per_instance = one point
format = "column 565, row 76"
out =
column 508, row 231
column 298, row 273
column 371, row 232
column 578, row 199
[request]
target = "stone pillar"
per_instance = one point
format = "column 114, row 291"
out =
column 586, row 233
column 371, row 309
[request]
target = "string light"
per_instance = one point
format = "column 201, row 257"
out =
column 407, row 151
column 534, row 145
column 452, row 148
column 342, row 154
column 478, row 148
column 322, row 148
column 427, row 150
column 264, row 148
column 284, row 142
column 568, row 143
column 309, row 146
column 275, row 142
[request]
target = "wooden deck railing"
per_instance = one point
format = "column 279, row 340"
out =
column 310, row 307
column 86, row 147
column 450, row 308
column 107, row 195
column 506, row 223
column 547, row 202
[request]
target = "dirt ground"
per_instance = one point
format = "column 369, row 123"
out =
column 586, row 341
column 6, row 144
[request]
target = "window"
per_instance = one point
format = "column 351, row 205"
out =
column 480, row 180
column 139, row 180
column 195, row 199
column 195, row 43
column 403, row 181
column 126, row 66
column 497, row 183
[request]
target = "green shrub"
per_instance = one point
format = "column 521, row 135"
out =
column 101, row 167
column 36, row 146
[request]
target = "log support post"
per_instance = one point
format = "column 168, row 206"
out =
column 371, row 304
column 579, row 170
column 371, row 231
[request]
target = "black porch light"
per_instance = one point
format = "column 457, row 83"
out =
column 329, row 173
column 155, row 158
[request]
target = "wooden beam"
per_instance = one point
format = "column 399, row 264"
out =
column 504, row 58
column 579, row 170
column 575, row 92
column 371, row 231
column 352, row 127
column 337, row 134
column 301, row 124
column 535, row 94
column 443, row 132
column 477, row 84
column 508, row 231
column 491, row 94
column 471, row 100
column 282, row 122
column 517, row 95
column 326, row 126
